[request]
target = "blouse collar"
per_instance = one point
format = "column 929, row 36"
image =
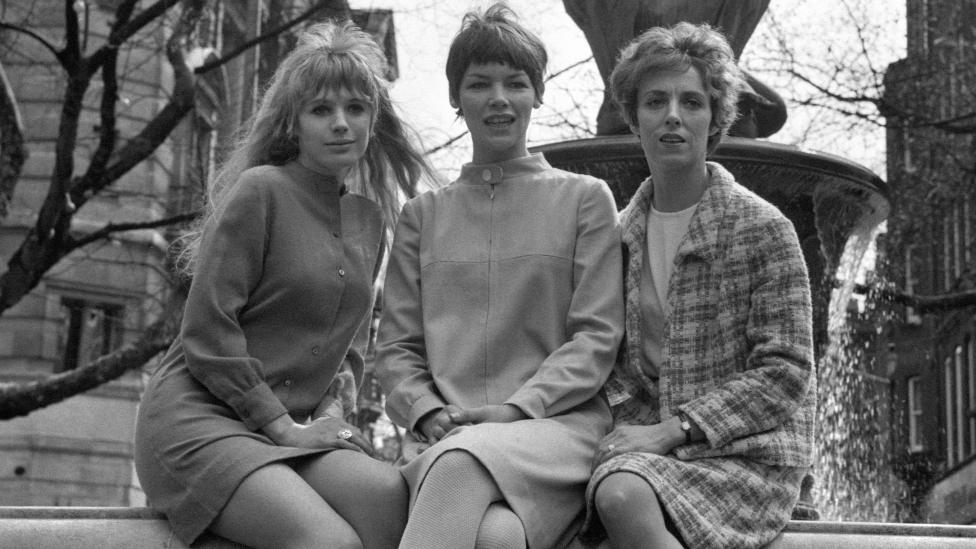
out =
column 319, row 181
column 505, row 170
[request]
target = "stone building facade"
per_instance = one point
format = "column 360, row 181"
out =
column 930, row 105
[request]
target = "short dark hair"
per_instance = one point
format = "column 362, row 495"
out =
column 676, row 49
column 495, row 37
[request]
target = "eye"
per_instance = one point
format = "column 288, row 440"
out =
column 694, row 100
column 519, row 84
column 357, row 108
column 319, row 109
column 477, row 85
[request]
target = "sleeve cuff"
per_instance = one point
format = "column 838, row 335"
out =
column 259, row 407
column 531, row 404
column 421, row 407
column 713, row 438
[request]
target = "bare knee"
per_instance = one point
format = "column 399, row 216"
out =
column 620, row 494
column 389, row 481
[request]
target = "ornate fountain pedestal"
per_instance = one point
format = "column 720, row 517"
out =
column 828, row 199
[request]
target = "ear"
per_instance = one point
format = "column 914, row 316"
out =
column 634, row 129
column 454, row 103
column 537, row 103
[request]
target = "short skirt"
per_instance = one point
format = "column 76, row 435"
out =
column 720, row 503
column 192, row 452
column 541, row 466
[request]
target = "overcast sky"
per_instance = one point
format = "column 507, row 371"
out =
column 425, row 28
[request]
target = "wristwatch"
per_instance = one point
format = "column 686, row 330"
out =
column 685, row 426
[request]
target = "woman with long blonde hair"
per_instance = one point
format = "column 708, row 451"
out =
column 238, row 432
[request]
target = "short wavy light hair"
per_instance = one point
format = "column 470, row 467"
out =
column 676, row 49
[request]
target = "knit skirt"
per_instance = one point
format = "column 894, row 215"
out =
column 541, row 466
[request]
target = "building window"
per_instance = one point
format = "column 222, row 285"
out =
column 915, row 442
column 967, row 229
column 946, row 253
column 906, row 145
column 925, row 26
column 950, row 415
column 90, row 330
column 911, row 316
column 961, row 405
column 957, row 242
column 971, row 378
column 960, row 429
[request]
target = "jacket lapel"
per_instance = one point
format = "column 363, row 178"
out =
column 705, row 227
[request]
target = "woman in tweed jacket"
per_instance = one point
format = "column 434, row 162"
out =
column 713, row 399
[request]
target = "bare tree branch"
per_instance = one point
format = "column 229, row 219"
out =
column 446, row 144
column 307, row 14
column 13, row 154
column 47, row 45
column 113, row 228
column 19, row 399
column 50, row 240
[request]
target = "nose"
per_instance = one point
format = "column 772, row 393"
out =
column 339, row 123
column 497, row 98
column 673, row 118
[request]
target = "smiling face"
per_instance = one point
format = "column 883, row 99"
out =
column 333, row 131
column 674, row 120
column 496, row 101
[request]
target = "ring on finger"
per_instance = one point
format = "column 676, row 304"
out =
column 344, row 434
column 611, row 448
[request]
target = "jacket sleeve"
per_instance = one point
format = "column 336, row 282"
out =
column 401, row 356
column 576, row 371
column 229, row 265
column 779, row 334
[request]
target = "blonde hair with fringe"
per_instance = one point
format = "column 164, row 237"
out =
column 328, row 56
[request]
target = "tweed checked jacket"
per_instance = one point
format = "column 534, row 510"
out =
column 738, row 346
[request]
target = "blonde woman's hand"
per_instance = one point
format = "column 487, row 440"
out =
column 325, row 433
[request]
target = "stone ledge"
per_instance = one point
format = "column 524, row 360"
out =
column 133, row 527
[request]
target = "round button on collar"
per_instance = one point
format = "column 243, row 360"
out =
column 486, row 175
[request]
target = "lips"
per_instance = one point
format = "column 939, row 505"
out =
column 340, row 143
column 672, row 138
column 499, row 120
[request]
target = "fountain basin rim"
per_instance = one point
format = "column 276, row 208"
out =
column 730, row 149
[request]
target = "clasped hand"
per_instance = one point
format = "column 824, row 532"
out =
column 437, row 425
column 659, row 438
column 320, row 434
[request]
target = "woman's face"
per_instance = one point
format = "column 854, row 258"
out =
column 674, row 119
column 333, row 131
column 496, row 101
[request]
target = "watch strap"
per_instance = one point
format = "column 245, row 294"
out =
column 685, row 426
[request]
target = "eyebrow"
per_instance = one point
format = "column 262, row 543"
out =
column 519, row 74
column 681, row 93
